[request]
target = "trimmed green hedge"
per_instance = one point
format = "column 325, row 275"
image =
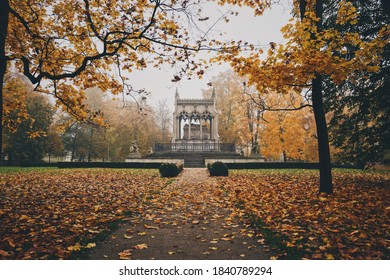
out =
column 218, row 169
column 170, row 169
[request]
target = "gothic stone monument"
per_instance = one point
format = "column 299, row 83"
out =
column 195, row 127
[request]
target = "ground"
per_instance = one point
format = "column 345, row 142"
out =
column 136, row 214
column 189, row 223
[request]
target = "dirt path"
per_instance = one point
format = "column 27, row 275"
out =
column 188, row 220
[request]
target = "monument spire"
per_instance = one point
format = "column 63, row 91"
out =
column 177, row 94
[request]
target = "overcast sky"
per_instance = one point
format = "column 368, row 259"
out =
column 259, row 30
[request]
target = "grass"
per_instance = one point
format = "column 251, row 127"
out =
column 297, row 222
column 13, row 169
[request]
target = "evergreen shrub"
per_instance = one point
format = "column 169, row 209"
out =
column 170, row 170
column 218, row 169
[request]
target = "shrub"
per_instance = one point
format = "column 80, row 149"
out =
column 170, row 169
column 218, row 169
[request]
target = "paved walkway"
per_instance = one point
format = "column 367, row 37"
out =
column 188, row 220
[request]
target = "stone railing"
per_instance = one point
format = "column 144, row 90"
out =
column 195, row 146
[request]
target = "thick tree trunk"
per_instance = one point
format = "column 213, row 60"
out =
column 323, row 139
column 326, row 185
column 4, row 4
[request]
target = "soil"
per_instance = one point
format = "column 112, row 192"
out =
column 188, row 220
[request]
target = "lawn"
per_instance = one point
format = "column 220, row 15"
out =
column 52, row 213
column 352, row 223
column 49, row 213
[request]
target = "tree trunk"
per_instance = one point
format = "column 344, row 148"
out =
column 4, row 4
column 90, row 145
column 74, row 144
column 323, row 139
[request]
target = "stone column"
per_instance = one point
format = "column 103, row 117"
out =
column 211, row 129
column 174, row 128
column 201, row 129
column 189, row 129
column 216, row 127
column 179, row 128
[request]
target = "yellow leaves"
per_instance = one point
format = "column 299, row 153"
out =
column 309, row 50
column 329, row 257
column 141, row 246
column 90, row 245
column 319, row 227
column 66, row 209
column 347, row 13
column 75, row 247
column 128, row 236
column 125, row 254
column 150, row 227
column 259, row 6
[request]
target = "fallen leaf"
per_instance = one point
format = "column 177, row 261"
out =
column 141, row 246
column 4, row 253
column 150, row 227
column 125, row 254
column 329, row 257
column 75, row 247
column 90, row 245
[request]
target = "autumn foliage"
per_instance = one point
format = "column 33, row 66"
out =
column 49, row 215
column 54, row 214
column 350, row 224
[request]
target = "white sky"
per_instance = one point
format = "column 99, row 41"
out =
column 259, row 30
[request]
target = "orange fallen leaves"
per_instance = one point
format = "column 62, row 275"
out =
column 350, row 224
column 125, row 254
column 53, row 214
column 141, row 246
column 50, row 214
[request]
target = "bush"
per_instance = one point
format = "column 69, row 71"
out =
column 218, row 169
column 170, row 169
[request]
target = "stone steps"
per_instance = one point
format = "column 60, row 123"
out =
column 194, row 160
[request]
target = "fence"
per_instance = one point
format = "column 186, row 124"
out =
column 195, row 147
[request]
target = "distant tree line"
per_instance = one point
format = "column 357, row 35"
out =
column 38, row 131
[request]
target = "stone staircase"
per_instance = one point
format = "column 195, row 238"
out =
column 194, row 160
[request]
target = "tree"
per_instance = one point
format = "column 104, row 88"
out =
column 286, row 133
column 266, row 122
column 127, row 124
column 310, row 53
column 231, row 108
column 163, row 118
column 65, row 47
column 54, row 147
column 27, row 143
column 359, row 107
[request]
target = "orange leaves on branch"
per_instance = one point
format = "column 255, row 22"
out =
column 308, row 51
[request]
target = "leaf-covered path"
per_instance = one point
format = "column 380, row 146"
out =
column 188, row 219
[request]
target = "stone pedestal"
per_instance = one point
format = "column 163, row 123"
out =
column 134, row 152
